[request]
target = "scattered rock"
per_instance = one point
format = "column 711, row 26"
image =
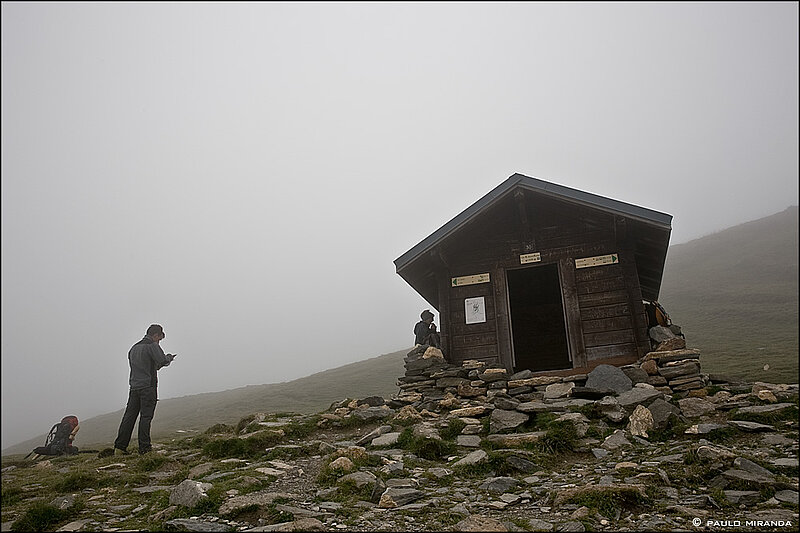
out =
column 641, row 421
column 696, row 407
column 616, row 440
column 476, row 457
column 751, row 427
column 396, row 497
column 195, row 524
column 359, row 479
column 558, row 390
column 498, row 485
column 188, row 493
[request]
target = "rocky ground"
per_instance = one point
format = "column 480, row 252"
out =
column 478, row 451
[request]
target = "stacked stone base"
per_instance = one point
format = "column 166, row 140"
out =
column 430, row 382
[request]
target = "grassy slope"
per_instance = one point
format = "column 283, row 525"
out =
column 311, row 394
column 735, row 295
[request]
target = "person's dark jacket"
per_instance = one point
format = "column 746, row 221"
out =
column 145, row 358
column 421, row 332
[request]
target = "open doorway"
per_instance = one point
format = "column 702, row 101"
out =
column 538, row 332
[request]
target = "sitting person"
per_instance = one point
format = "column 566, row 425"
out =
column 425, row 331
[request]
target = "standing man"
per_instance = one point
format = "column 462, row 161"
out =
column 145, row 358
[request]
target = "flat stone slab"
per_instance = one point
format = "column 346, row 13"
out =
column 704, row 429
column 194, row 524
column 260, row 498
column 395, row 497
column 478, row 456
column 748, row 478
column 533, row 382
column 470, row 412
column 498, row 485
column 746, row 464
column 750, row 427
column 515, row 439
column 387, row 439
column 744, row 497
column 694, row 407
column 787, row 496
column 468, row 441
column 502, row 420
column 761, row 409
column 628, row 400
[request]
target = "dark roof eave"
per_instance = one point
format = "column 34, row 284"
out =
column 647, row 216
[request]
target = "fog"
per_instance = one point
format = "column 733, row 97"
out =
column 245, row 173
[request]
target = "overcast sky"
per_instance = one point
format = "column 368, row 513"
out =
column 245, row 174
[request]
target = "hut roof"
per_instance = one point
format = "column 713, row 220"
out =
column 651, row 229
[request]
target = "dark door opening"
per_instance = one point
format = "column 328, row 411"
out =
column 537, row 319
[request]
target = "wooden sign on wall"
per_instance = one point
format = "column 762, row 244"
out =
column 598, row 260
column 469, row 280
column 530, row 258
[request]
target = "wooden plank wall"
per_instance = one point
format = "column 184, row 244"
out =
column 605, row 312
column 472, row 341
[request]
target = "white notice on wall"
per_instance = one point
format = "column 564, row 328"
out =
column 475, row 310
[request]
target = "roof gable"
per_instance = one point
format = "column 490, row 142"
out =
column 654, row 229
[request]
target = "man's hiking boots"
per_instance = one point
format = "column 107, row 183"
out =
column 120, row 451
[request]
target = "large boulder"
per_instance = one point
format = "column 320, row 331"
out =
column 609, row 377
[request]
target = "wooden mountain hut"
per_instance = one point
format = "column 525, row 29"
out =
column 539, row 276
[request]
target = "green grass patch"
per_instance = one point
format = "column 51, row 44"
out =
column 787, row 414
column 244, row 422
column 426, row 448
column 41, row 517
column 250, row 447
column 76, row 482
column 453, row 429
column 302, row 429
column 11, row 496
column 671, row 432
column 607, row 501
column 495, row 462
column 449, row 518
column 151, row 462
column 725, row 434
column 559, row 437
column 348, row 489
column 220, row 428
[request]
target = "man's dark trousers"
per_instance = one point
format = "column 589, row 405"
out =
column 140, row 402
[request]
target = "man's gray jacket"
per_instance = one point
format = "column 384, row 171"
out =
column 145, row 358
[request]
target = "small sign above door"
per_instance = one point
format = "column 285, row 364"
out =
column 530, row 258
column 598, row 260
column 469, row 280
